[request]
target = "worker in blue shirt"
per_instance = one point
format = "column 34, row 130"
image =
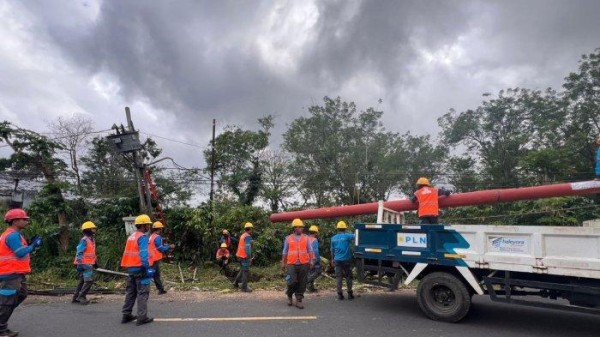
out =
column 14, row 265
column 245, row 255
column 137, row 262
column 598, row 159
column 157, row 249
column 85, row 262
column 341, row 258
column 315, row 271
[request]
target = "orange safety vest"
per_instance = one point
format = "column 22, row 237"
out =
column 241, row 250
column 428, row 201
column 131, row 256
column 9, row 262
column 89, row 254
column 297, row 249
column 154, row 253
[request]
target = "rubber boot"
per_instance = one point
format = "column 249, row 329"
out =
column 290, row 301
column 128, row 318
column 350, row 295
column 299, row 304
column 144, row 320
column 82, row 299
column 8, row 333
column 340, row 296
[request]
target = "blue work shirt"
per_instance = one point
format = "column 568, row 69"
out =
column 159, row 245
column 315, row 248
column 598, row 162
column 143, row 244
column 13, row 241
column 341, row 244
column 286, row 247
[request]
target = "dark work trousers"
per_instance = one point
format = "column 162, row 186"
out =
column 296, row 275
column 242, row 276
column 428, row 220
column 313, row 274
column 85, row 282
column 13, row 292
column 343, row 269
column 157, row 280
column 138, row 287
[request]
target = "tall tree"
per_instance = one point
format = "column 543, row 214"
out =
column 72, row 134
column 344, row 156
column 582, row 94
column 237, row 159
column 37, row 155
column 277, row 181
column 503, row 131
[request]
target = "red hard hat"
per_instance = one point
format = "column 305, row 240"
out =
column 14, row 214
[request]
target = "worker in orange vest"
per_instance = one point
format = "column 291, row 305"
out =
column 427, row 198
column 297, row 259
column 157, row 248
column 85, row 261
column 14, row 265
column 137, row 261
column 244, row 254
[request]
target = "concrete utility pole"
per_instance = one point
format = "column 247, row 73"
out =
column 145, row 205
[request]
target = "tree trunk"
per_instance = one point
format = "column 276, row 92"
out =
column 63, row 231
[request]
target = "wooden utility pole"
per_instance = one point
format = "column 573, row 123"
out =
column 212, row 171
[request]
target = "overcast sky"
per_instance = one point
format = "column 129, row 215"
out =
column 179, row 64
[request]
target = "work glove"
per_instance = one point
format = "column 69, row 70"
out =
column 150, row 272
column 33, row 238
column 36, row 241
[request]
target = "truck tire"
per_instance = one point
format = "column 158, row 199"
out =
column 443, row 297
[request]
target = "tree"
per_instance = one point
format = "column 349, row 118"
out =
column 277, row 181
column 503, row 131
column 237, row 159
column 343, row 156
column 36, row 156
column 72, row 135
column 582, row 94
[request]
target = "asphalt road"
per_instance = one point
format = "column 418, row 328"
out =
column 256, row 314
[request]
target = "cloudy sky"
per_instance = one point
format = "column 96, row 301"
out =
column 179, row 64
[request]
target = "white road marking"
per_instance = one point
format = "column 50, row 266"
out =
column 229, row 319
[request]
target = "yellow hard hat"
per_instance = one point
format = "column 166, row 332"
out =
column 313, row 228
column 223, row 245
column 158, row 224
column 142, row 220
column 297, row 223
column 248, row 225
column 341, row 225
column 88, row 225
column 423, row 181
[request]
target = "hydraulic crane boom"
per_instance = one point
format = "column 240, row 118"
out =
column 485, row 197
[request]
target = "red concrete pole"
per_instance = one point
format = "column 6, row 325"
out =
column 455, row 200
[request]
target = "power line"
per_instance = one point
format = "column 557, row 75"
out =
column 172, row 140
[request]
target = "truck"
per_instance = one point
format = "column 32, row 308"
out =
column 550, row 267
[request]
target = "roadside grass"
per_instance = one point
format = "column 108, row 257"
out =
column 207, row 278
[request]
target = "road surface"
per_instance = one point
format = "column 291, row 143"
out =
column 266, row 314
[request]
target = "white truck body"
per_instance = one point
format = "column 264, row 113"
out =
column 566, row 251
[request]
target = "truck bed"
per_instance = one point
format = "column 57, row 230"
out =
column 565, row 251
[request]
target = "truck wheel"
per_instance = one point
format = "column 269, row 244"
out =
column 443, row 297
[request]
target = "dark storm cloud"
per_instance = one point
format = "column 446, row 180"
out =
column 237, row 61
